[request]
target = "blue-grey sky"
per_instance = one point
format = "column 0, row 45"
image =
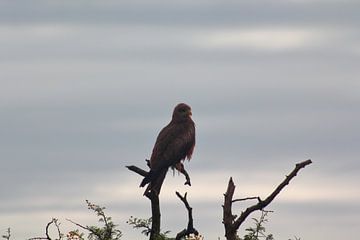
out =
column 87, row 85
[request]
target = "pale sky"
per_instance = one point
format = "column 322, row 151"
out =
column 87, row 85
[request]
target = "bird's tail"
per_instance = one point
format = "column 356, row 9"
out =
column 155, row 180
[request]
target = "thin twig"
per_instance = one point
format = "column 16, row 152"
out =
column 86, row 228
column 247, row 198
column 47, row 229
column 77, row 224
column 53, row 221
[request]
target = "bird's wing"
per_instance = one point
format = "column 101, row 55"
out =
column 174, row 143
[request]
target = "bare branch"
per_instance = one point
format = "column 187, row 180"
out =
column 53, row 221
column 47, row 229
column 231, row 223
column 190, row 228
column 247, row 198
column 137, row 170
column 155, row 213
column 228, row 217
column 155, row 203
column 58, row 228
column 77, row 224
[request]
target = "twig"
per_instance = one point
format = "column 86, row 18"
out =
column 47, row 229
column 53, row 221
column 247, row 198
column 137, row 170
column 231, row 223
column 86, row 228
column 57, row 227
column 190, row 228
column 77, row 224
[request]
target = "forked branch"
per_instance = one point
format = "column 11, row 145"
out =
column 231, row 222
column 190, row 227
column 154, row 198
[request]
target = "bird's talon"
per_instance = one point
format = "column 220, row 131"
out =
column 187, row 183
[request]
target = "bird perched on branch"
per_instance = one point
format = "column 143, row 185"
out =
column 174, row 144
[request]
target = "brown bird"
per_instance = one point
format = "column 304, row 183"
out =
column 174, row 144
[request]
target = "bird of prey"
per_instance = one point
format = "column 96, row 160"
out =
column 173, row 145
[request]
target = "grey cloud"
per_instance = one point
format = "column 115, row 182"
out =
column 204, row 13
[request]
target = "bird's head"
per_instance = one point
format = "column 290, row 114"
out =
column 182, row 112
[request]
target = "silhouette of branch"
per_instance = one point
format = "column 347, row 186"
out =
column 144, row 173
column 232, row 222
column 155, row 214
column 155, row 203
column 78, row 224
column 190, row 228
column 154, row 198
column 244, row 199
column 137, row 170
column 53, row 221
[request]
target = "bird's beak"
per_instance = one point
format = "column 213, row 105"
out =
column 190, row 113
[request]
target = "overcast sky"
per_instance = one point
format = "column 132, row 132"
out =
column 87, row 85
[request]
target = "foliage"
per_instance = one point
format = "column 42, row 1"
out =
column 109, row 231
column 258, row 231
column 139, row 223
column 106, row 232
column 75, row 235
column 145, row 226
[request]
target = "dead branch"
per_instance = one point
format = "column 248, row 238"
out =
column 247, row 198
column 137, row 170
column 155, row 204
column 53, row 221
column 144, row 173
column 228, row 217
column 155, row 213
column 231, row 222
column 190, row 228
column 77, row 224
